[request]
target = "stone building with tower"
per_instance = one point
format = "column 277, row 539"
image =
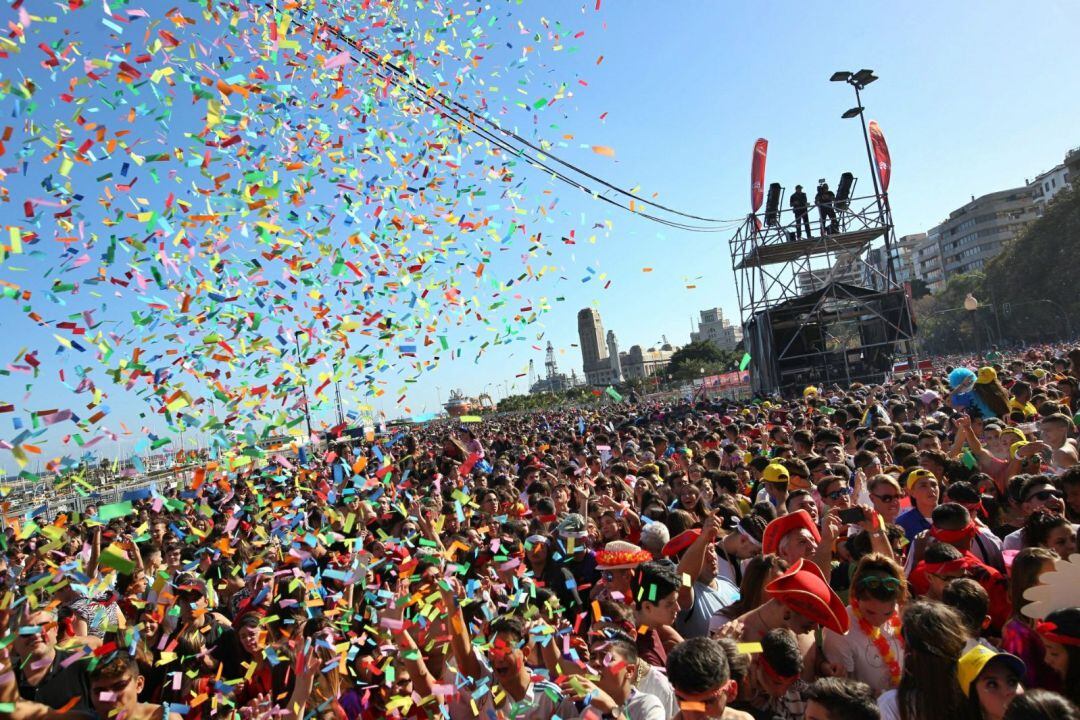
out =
column 602, row 361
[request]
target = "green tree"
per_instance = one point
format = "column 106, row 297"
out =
column 919, row 289
column 1031, row 283
column 943, row 325
column 701, row 358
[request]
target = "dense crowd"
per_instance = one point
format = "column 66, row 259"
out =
column 899, row 551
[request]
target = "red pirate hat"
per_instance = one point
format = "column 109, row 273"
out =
column 680, row 542
column 784, row 524
column 803, row 588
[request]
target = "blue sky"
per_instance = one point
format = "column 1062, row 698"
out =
column 973, row 97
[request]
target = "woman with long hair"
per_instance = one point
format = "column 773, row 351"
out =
column 990, row 680
column 934, row 638
column 1018, row 636
column 872, row 650
column 1060, row 633
column 1050, row 531
column 991, row 392
column 759, row 572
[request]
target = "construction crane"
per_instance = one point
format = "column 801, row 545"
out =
column 550, row 366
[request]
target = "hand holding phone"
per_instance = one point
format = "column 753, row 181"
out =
column 852, row 515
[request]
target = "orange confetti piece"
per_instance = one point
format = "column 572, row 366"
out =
column 603, row 150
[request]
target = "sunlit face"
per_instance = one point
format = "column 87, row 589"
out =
column 925, row 492
column 834, row 454
column 807, row 503
column 1043, row 497
column 172, row 557
column 1057, row 657
column 996, row 686
column 536, row 551
column 610, row 529
column 689, row 496
column 876, row 612
column 1062, row 541
column 837, row 495
column 505, row 656
column 138, row 584
column 886, row 500
column 1053, row 433
column 797, row 545
column 117, row 697
column 662, row 612
column 150, row 626
column 251, row 639
column 930, row 443
column 39, row 642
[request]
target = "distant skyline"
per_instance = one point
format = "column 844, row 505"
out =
column 973, row 97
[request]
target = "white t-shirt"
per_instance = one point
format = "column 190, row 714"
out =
column 643, row 706
column 857, row 655
column 655, row 683
column 889, row 707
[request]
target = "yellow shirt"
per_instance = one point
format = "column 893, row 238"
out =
column 1027, row 408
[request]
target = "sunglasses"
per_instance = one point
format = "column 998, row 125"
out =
column 877, row 582
column 888, row 498
column 1044, row 495
column 837, row 494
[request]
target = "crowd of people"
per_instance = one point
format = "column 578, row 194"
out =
column 903, row 551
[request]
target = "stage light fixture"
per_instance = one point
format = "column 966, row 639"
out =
column 864, row 77
column 840, row 76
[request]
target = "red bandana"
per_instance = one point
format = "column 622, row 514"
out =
column 1049, row 631
column 954, row 536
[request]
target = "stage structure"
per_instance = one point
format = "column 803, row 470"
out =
column 822, row 307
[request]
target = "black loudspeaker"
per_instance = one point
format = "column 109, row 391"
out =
column 843, row 191
column 772, row 205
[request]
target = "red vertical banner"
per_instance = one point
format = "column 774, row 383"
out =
column 757, row 174
column 881, row 155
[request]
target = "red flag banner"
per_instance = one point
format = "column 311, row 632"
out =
column 881, row 155
column 757, row 174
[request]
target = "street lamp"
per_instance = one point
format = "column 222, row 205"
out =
column 859, row 80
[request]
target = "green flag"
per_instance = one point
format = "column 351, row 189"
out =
column 745, row 362
column 613, row 394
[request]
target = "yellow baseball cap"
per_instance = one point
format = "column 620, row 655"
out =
column 775, row 473
column 971, row 664
column 918, row 474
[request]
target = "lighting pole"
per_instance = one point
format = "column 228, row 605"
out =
column 303, row 384
column 859, row 80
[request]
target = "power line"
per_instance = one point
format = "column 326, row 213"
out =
column 436, row 100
